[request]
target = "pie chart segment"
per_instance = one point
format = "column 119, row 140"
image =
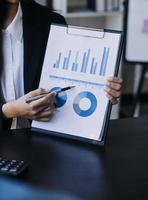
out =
column 61, row 98
column 85, row 97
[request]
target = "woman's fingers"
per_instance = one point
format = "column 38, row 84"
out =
column 112, row 99
column 115, row 80
column 112, row 92
column 36, row 92
column 113, row 88
column 45, row 115
column 44, row 102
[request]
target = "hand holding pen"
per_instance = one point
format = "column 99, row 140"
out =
column 35, row 105
column 40, row 110
column 30, row 99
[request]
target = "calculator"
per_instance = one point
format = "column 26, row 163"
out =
column 12, row 167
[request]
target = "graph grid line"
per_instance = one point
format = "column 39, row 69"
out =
column 78, row 81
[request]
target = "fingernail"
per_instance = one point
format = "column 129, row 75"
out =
column 54, row 93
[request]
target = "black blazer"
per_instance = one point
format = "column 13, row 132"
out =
column 36, row 27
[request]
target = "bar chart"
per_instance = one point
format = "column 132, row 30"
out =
column 83, row 62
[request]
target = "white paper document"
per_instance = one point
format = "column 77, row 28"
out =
column 82, row 58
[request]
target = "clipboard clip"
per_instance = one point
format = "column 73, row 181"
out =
column 85, row 32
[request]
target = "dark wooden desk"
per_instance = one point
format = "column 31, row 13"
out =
column 83, row 171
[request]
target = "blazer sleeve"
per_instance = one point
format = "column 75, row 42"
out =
column 5, row 124
column 57, row 18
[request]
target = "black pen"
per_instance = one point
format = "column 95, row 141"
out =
column 30, row 99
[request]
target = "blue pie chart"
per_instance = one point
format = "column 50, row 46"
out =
column 85, row 96
column 61, row 98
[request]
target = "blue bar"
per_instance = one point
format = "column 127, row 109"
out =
column 83, row 63
column 92, row 66
column 95, row 68
column 73, row 67
column 87, row 59
column 105, row 62
column 64, row 64
column 54, row 66
column 76, row 67
column 68, row 59
column 58, row 62
column 76, row 62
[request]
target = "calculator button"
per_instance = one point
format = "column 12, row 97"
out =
column 4, row 169
column 2, row 163
column 13, row 170
column 20, row 164
column 14, row 161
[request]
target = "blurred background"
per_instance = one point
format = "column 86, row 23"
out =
column 118, row 15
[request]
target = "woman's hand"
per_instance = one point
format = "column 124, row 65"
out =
column 114, row 89
column 41, row 109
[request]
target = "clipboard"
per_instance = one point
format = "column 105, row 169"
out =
column 82, row 57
